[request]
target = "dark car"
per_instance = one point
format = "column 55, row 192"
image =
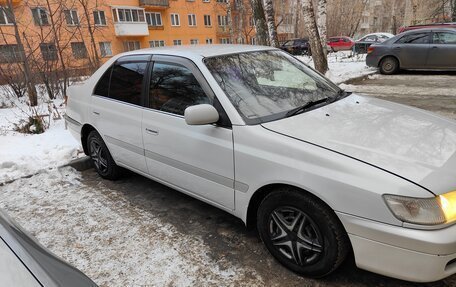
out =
column 297, row 46
column 433, row 25
column 364, row 43
column 428, row 49
column 24, row 262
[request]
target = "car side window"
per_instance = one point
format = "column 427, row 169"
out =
column 102, row 87
column 417, row 38
column 173, row 88
column 370, row 39
column 127, row 82
column 444, row 38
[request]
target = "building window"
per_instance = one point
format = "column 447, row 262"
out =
column 123, row 15
column 224, row 41
column 221, row 1
column 240, row 41
column 10, row 54
column 208, row 41
column 79, row 50
column 156, row 43
column 207, row 20
column 6, row 17
column 71, row 17
column 194, row 42
column 131, row 45
column 177, row 42
column 175, row 21
column 251, row 21
column 40, row 16
column 191, row 20
column 99, row 18
column 105, row 49
column 154, row 19
column 222, row 20
column 253, row 41
column 48, row 51
column 206, row 1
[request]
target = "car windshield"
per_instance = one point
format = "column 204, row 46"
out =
column 268, row 85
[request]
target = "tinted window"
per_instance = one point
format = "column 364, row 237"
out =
column 417, row 38
column 173, row 88
column 102, row 88
column 369, row 39
column 288, row 43
column 444, row 38
column 126, row 82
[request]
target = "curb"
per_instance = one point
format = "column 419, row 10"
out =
column 356, row 79
column 79, row 164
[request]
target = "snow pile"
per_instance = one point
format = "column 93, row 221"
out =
column 343, row 66
column 26, row 154
column 112, row 240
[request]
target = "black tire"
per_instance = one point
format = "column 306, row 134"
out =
column 102, row 159
column 319, row 242
column 389, row 66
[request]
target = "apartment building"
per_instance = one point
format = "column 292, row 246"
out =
column 76, row 33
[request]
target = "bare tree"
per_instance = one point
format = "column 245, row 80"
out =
column 318, row 55
column 95, row 60
column 321, row 23
column 27, row 72
column 260, row 22
column 270, row 20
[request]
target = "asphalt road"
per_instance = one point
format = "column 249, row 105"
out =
column 136, row 232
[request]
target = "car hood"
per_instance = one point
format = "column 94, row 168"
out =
column 414, row 144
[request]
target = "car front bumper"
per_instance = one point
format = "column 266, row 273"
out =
column 403, row 253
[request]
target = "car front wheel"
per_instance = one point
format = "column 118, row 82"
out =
column 102, row 159
column 389, row 66
column 302, row 233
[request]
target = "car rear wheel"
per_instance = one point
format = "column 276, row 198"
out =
column 302, row 233
column 102, row 159
column 389, row 66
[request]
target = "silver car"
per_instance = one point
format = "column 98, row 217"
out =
column 320, row 172
column 25, row 263
column 421, row 49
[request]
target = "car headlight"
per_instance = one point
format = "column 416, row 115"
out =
column 424, row 211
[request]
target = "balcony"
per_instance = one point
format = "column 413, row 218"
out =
column 131, row 29
column 156, row 4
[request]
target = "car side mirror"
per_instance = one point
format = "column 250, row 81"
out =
column 203, row 114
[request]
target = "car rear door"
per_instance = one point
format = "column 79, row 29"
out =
column 412, row 50
column 195, row 159
column 443, row 50
column 116, row 110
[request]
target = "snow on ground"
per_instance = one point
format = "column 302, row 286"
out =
column 112, row 240
column 25, row 154
column 343, row 66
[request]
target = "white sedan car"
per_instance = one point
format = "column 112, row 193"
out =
column 320, row 172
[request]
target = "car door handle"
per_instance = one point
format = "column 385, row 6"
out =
column 96, row 113
column 435, row 47
column 397, row 48
column 152, row 132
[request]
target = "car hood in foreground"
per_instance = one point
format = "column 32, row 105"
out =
column 414, row 144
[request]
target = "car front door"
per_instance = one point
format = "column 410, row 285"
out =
column 116, row 110
column 412, row 50
column 443, row 50
column 195, row 159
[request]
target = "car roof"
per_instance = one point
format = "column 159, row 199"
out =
column 379, row 33
column 200, row 51
column 430, row 29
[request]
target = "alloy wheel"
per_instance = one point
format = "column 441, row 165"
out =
column 98, row 156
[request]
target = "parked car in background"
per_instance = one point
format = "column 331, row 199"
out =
column 297, row 46
column 362, row 44
column 340, row 43
column 430, row 48
column 433, row 25
column 322, row 173
column 25, row 263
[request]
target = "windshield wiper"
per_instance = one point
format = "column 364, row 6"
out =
column 341, row 94
column 305, row 107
